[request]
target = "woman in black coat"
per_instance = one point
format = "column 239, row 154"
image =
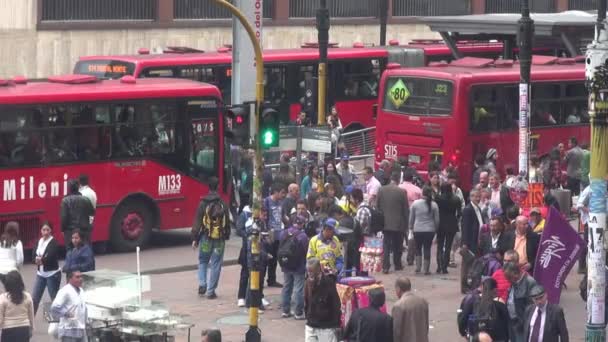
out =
column 46, row 257
column 491, row 315
column 449, row 214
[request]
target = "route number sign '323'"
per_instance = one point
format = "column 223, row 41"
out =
column 398, row 94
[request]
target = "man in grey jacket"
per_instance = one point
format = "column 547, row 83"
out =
column 392, row 202
column 518, row 299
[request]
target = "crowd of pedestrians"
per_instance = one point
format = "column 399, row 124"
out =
column 18, row 307
column 305, row 227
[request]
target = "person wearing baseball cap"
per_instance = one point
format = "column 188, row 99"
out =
column 327, row 248
column 537, row 222
column 543, row 321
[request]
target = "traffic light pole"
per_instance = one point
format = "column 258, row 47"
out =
column 383, row 21
column 254, row 333
column 597, row 79
column 323, row 39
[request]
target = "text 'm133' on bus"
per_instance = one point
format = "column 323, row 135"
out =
column 449, row 113
column 149, row 147
column 290, row 74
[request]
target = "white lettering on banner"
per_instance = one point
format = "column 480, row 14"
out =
column 169, row 184
column 27, row 185
column 553, row 247
column 564, row 267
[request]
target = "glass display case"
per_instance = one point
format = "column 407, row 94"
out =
column 109, row 289
column 116, row 308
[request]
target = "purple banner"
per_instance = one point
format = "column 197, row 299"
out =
column 559, row 248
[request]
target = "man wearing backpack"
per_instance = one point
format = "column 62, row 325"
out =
column 210, row 230
column 293, row 245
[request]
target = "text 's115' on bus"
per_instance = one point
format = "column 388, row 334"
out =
column 148, row 146
column 449, row 113
column 353, row 72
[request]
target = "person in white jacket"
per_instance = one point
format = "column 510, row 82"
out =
column 11, row 249
column 70, row 308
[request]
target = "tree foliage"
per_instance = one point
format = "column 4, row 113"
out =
column 600, row 78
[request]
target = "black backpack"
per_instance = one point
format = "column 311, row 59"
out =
column 376, row 222
column 482, row 321
column 476, row 272
column 288, row 253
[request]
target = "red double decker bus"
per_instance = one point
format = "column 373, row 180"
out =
column 353, row 73
column 148, row 146
column 450, row 112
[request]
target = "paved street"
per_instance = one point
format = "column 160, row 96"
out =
column 179, row 291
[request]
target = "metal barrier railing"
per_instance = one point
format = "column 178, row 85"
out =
column 356, row 143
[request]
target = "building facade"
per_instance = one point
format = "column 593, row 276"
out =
column 45, row 37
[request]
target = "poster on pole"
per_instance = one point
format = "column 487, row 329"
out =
column 524, row 110
column 243, row 55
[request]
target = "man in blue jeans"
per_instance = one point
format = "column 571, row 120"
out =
column 293, row 245
column 210, row 230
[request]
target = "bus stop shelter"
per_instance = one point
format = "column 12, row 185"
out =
column 567, row 32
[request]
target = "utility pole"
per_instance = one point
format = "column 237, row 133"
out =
column 524, row 37
column 254, row 333
column 597, row 79
column 323, row 40
column 383, row 21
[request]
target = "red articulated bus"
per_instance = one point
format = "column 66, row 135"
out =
column 450, row 112
column 149, row 147
column 353, row 73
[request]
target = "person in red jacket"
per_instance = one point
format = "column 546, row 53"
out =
column 503, row 285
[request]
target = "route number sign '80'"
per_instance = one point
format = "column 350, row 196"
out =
column 398, row 94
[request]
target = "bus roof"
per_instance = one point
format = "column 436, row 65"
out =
column 492, row 72
column 270, row 55
column 57, row 92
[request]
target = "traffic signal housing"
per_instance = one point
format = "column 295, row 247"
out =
column 269, row 127
column 238, row 130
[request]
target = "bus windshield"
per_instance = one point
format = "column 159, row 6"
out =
column 418, row 96
column 105, row 69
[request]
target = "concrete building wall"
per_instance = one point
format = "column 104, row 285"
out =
column 33, row 53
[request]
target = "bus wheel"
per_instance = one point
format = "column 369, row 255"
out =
column 131, row 227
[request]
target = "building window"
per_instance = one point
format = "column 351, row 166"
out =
column 208, row 9
column 80, row 10
column 337, row 8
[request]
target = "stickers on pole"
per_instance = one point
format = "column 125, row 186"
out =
column 398, row 93
column 596, row 282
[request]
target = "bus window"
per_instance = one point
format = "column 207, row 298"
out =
column 144, row 129
column 158, row 72
column 556, row 104
column 545, row 109
column 21, row 143
column 204, row 138
column 576, row 111
column 361, row 79
column 494, row 107
column 486, row 108
column 197, row 73
column 275, row 84
column 418, row 96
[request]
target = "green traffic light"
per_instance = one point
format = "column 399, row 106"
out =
column 268, row 138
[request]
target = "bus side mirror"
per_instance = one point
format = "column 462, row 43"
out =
column 375, row 111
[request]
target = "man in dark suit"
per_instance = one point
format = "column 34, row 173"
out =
column 370, row 324
column 496, row 238
column 392, row 202
column 544, row 322
column 472, row 220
